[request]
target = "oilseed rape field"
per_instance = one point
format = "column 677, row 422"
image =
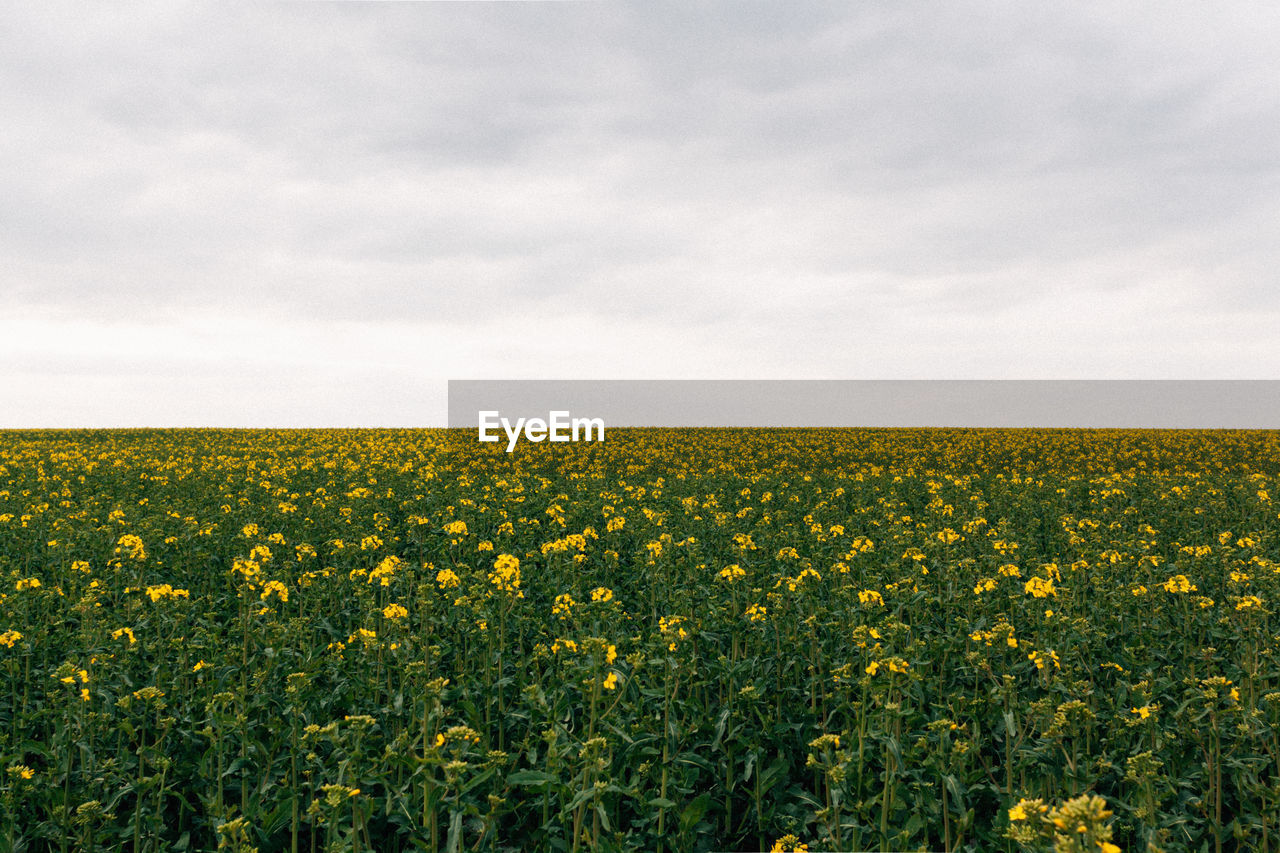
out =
column 681, row 639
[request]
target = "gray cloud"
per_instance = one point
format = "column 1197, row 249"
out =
column 742, row 182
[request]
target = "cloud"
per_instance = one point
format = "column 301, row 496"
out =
column 583, row 183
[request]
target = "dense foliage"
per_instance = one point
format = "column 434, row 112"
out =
column 672, row 640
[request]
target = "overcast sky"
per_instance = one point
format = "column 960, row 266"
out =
column 314, row 214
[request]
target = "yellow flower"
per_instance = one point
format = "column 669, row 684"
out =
column 1018, row 812
column 275, row 588
column 164, row 590
column 247, row 569
column 670, row 626
column 610, row 681
column 506, row 574
column 395, row 611
column 28, row 583
column 1043, row 659
column 732, row 573
column 8, row 638
column 947, row 536
column 602, row 593
column 447, row 579
column 124, row 632
column 861, row 545
column 386, row 570
column 557, row 645
column 199, row 666
column 1179, row 584
column 871, row 597
column 1040, row 587
column 364, row 635
column 130, row 546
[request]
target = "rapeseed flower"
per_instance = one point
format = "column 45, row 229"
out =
column 130, row 547
column 275, row 588
column 731, row 573
column 1040, row 587
column 1043, row 659
column 789, row 844
column 165, row 591
column 870, row 597
column 1178, row 584
column 505, row 575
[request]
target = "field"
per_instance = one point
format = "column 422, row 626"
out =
column 674, row 640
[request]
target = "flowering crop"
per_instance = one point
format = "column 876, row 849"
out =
column 675, row 639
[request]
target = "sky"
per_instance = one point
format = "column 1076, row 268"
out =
column 316, row 214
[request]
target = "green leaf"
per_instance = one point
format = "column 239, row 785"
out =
column 530, row 778
column 692, row 813
column 454, row 839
